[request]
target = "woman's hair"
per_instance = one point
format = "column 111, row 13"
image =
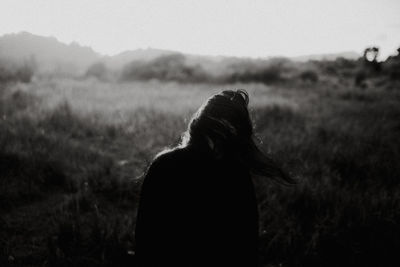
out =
column 223, row 123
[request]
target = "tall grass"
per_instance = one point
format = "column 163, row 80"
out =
column 72, row 153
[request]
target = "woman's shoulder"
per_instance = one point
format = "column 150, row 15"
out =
column 169, row 160
column 170, row 156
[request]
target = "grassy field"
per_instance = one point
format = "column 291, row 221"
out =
column 72, row 153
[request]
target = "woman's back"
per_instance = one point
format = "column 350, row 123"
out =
column 196, row 210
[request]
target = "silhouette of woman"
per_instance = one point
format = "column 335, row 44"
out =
column 198, row 205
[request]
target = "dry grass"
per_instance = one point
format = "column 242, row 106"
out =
column 71, row 152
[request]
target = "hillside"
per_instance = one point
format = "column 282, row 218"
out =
column 48, row 52
column 53, row 55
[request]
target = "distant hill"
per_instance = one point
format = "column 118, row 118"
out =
column 51, row 54
column 48, row 52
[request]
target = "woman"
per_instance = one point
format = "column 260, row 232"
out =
column 198, row 206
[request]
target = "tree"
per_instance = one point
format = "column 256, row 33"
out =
column 98, row 70
column 370, row 58
column 371, row 54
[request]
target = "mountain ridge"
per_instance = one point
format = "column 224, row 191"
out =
column 51, row 53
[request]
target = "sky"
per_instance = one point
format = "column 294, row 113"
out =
column 248, row 28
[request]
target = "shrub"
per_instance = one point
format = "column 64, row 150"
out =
column 309, row 76
column 12, row 72
column 164, row 68
column 248, row 72
column 99, row 71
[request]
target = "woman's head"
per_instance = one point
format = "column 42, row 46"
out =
column 223, row 124
column 222, row 120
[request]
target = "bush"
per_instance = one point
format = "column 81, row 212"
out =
column 164, row 68
column 391, row 67
column 12, row 72
column 176, row 68
column 263, row 71
column 99, row 71
column 309, row 76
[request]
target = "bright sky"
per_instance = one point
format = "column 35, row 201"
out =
column 213, row 27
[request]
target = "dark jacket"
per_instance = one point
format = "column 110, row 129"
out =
column 196, row 210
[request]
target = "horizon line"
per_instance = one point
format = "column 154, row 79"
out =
column 102, row 54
